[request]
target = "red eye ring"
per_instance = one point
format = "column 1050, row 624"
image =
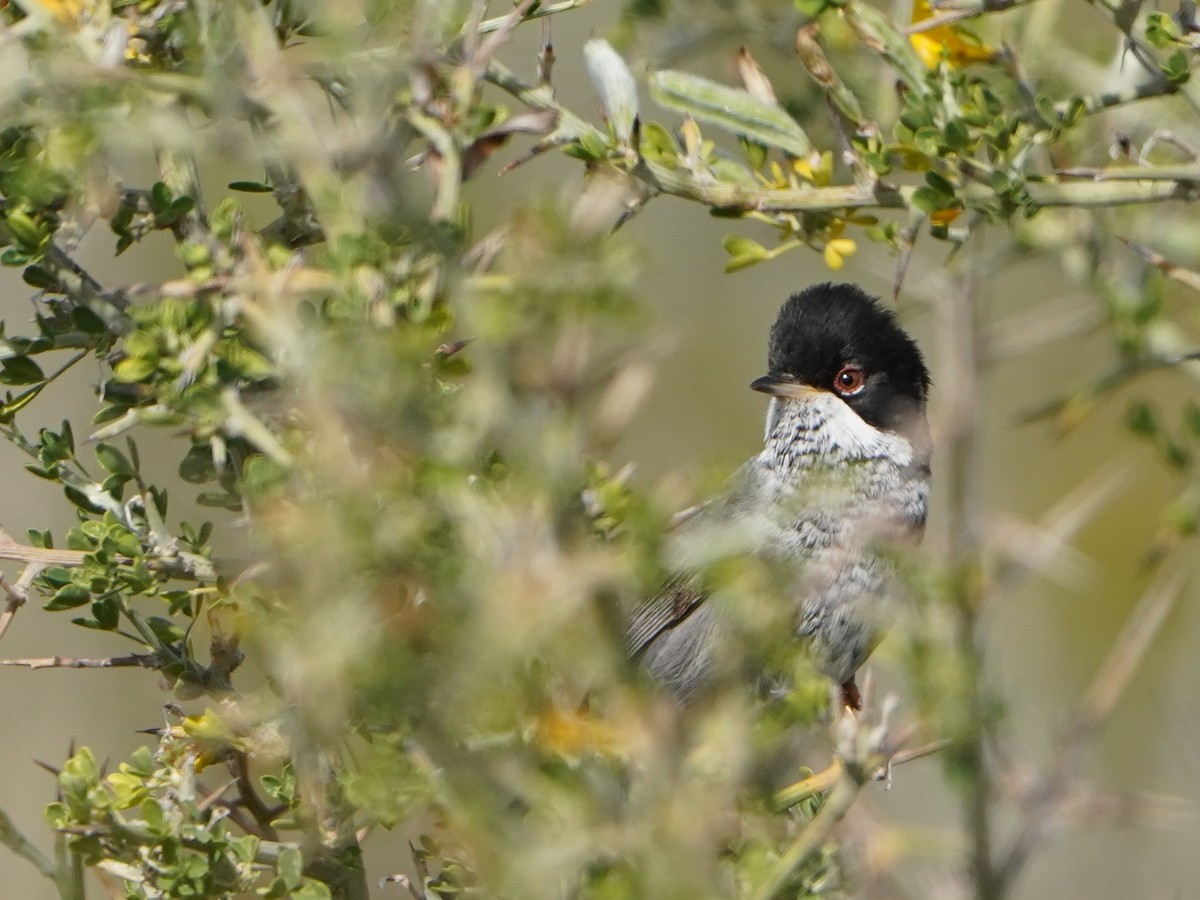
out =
column 849, row 380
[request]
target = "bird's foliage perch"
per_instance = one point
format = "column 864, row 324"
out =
column 382, row 553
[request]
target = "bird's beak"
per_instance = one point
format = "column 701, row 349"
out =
column 777, row 386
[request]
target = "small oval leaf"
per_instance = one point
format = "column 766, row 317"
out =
column 730, row 108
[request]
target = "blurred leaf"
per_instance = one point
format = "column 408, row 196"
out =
column 615, row 85
column 733, row 109
column 743, row 252
column 20, row 370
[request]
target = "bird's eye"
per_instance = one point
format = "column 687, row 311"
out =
column 849, row 380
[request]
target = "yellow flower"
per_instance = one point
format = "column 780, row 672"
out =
column 836, row 251
column 573, row 734
column 957, row 46
column 821, row 174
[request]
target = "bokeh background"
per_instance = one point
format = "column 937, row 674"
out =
column 1043, row 644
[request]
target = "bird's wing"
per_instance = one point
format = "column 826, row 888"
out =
column 683, row 593
column 677, row 600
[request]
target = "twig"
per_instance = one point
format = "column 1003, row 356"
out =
column 1186, row 174
column 864, row 747
column 498, row 37
column 489, row 25
column 182, row 565
column 248, row 798
column 1106, row 689
column 36, row 559
column 1175, row 272
column 826, row 779
column 681, row 183
column 12, row 549
column 266, row 852
column 929, row 749
column 963, row 11
column 135, row 660
column 814, row 784
column 11, row 837
column 813, row 835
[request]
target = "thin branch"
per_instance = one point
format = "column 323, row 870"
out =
column 826, row 779
column 813, row 835
column 487, row 26
column 681, row 183
column 11, row 837
column 135, row 660
column 249, row 800
column 18, row 594
column 36, row 559
column 183, row 564
column 1186, row 277
column 1186, row 174
column 12, row 549
column 963, row 10
column 266, row 852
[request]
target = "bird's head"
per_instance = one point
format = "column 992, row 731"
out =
column 835, row 341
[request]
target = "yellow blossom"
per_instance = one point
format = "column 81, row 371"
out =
column 836, row 251
column 949, row 42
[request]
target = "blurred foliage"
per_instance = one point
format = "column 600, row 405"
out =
column 411, row 419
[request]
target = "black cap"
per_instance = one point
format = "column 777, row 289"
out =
column 837, row 338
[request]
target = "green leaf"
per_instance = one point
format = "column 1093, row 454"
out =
column 152, row 814
column 106, row 613
column 222, row 501
column 1161, row 30
column 743, row 252
column 36, row 276
column 69, row 596
column 930, row 200
column 197, row 465
column 731, row 108
column 939, row 183
column 877, row 31
column 56, row 575
column 164, row 629
column 614, row 82
column 113, row 460
column 290, row 866
column 658, row 145
column 160, row 198
column 250, row 187
column 133, row 369
column 956, row 134
column 1175, row 67
column 87, row 321
column 20, row 370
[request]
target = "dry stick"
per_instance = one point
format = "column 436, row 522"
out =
column 134, row 660
column 826, row 779
column 1098, row 704
column 489, row 25
column 35, row 559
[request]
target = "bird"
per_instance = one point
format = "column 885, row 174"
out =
column 844, row 474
